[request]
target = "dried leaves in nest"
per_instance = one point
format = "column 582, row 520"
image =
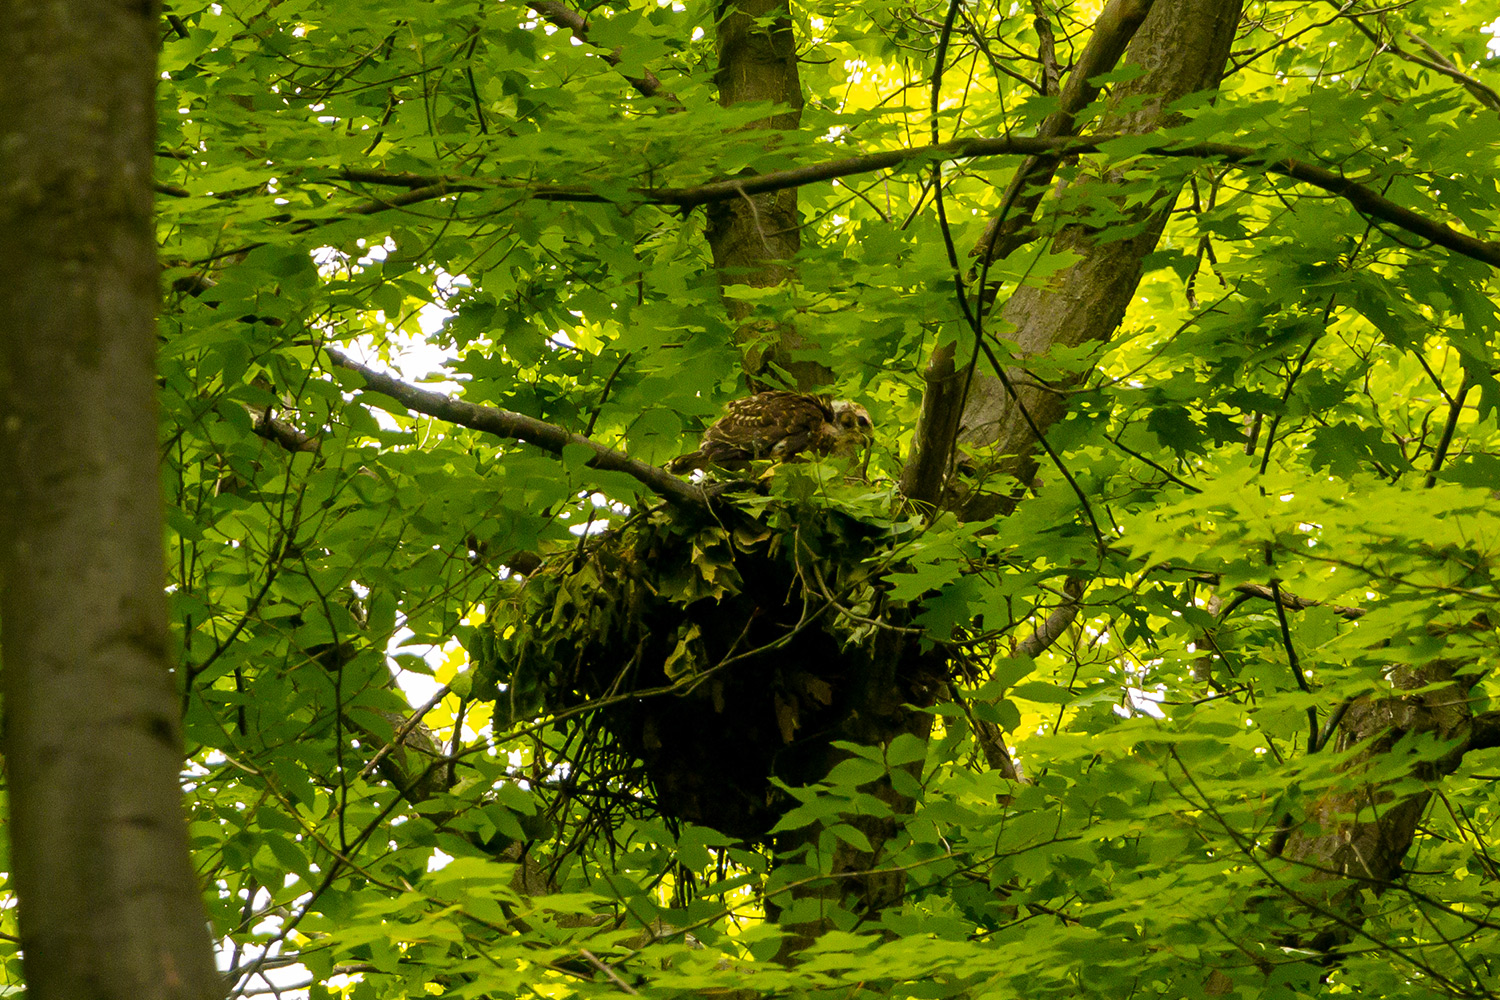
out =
column 718, row 652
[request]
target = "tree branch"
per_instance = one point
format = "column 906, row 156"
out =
column 946, row 386
column 1363, row 198
column 506, row 424
column 1113, row 30
column 563, row 16
column 269, row 427
column 1291, row 601
column 1046, row 48
column 1057, row 622
column 1437, row 62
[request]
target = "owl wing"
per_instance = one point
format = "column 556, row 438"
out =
column 766, row 425
column 774, row 424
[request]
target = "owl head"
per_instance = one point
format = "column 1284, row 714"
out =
column 852, row 429
column 850, row 416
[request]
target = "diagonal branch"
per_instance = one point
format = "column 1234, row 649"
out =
column 1181, row 49
column 946, row 386
column 1050, row 630
column 563, row 16
column 1440, row 63
column 506, row 424
column 1113, row 30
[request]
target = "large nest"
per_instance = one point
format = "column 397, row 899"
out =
column 719, row 652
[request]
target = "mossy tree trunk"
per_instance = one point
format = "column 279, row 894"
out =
column 753, row 239
column 109, row 904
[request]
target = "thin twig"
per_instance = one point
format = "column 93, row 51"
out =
column 1455, row 408
column 562, row 16
column 1296, row 665
column 609, row 973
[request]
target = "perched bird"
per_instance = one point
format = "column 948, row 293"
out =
column 779, row 425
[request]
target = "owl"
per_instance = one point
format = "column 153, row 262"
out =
column 779, row 425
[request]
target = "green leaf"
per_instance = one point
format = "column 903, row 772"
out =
column 854, row 772
column 905, row 749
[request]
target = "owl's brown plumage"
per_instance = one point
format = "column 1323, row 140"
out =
column 778, row 425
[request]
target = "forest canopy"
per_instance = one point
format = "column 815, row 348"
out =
column 1143, row 651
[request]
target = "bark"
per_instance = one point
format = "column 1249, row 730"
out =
column 754, row 237
column 109, row 904
column 1342, row 836
column 943, row 396
column 1183, row 46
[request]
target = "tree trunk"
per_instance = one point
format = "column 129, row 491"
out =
column 1371, row 849
column 109, row 904
column 754, row 238
column 928, row 463
column 1183, row 46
